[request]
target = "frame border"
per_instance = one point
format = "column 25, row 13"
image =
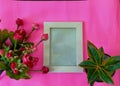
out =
column 79, row 43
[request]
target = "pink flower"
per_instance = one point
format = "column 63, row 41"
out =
column 30, row 64
column 0, row 20
column 13, row 65
column 35, row 26
column 15, row 71
column 19, row 34
column 9, row 54
column 44, row 37
column 1, row 52
column 19, row 22
column 45, row 69
column 27, row 58
column 24, row 59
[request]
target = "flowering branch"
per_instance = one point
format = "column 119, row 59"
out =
column 44, row 70
column 35, row 26
column 44, row 37
column 15, row 57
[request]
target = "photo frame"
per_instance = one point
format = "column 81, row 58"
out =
column 63, row 51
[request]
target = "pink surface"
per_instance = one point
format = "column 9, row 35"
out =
column 101, row 20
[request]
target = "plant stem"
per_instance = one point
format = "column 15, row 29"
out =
column 30, row 33
column 38, row 43
column 36, row 70
column 15, row 44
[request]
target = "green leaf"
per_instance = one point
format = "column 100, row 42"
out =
column 11, row 37
column 18, row 76
column 114, row 67
column 116, row 58
column 101, row 51
column 87, row 64
column 3, row 35
column 93, row 53
column 105, row 76
column 93, row 76
column 2, row 66
column 110, row 61
column 25, row 76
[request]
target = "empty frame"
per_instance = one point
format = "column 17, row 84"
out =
column 64, row 49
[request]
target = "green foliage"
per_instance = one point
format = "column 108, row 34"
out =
column 18, row 76
column 3, row 35
column 11, row 33
column 16, row 56
column 97, row 67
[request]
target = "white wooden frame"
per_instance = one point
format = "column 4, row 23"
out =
column 79, row 46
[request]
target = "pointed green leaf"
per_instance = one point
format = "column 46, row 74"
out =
column 101, row 51
column 105, row 76
column 116, row 58
column 110, row 61
column 114, row 67
column 2, row 66
column 87, row 64
column 92, row 75
column 93, row 53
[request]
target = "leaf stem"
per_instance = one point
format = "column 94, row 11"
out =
column 15, row 44
column 38, row 43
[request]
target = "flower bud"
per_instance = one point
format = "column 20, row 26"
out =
column 44, row 37
column 15, row 71
column 9, row 54
column 19, row 34
column 35, row 26
column 45, row 69
column 13, row 65
column 30, row 64
column 19, row 22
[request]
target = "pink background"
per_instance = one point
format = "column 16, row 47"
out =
column 101, row 20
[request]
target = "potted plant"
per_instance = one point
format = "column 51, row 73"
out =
column 99, row 68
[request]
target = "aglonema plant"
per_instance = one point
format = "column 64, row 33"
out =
column 99, row 68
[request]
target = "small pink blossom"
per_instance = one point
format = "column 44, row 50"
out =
column 45, row 69
column 13, row 65
column 30, row 64
column 44, row 37
column 19, row 22
column 9, row 54
column 27, row 58
column 19, row 34
column 35, row 26
column 1, row 52
column 15, row 71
